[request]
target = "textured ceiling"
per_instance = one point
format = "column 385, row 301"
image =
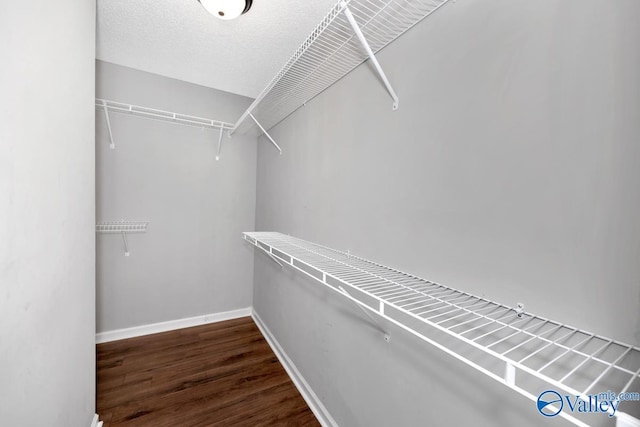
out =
column 180, row 39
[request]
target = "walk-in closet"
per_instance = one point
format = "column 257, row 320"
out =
column 354, row 213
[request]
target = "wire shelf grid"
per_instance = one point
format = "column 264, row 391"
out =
column 109, row 227
column 331, row 51
column 558, row 355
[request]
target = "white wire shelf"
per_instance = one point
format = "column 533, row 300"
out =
column 166, row 116
column 331, row 51
column 123, row 228
column 527, row 353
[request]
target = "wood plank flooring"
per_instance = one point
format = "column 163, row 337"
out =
column 221, row 374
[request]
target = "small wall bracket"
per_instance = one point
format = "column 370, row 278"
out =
column 519, row 310
column 274, row 259
column 270, row 255
column 372, row 56
column 387, row 337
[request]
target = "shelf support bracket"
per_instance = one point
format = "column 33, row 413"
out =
column 372, row 56
column 266, row 133
column 273, row 258
column 126, row 245
column 387, row 337
column 220, row 142
column 112, row 144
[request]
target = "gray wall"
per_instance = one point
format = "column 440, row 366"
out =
column 509, row 171
column 191, row 260
column 47, row 210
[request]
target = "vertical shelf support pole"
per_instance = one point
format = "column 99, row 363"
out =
column 112, row 144
column 266, row 133
column 220, row 142
column 372, row 56
column 387, row 337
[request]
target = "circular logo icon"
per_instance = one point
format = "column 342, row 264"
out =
column 547, row 398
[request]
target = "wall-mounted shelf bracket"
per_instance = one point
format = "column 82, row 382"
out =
column 270, row 255
column 122, row 228
column 274, row 259
column 387, row 337
column 126, row 245
column 520, row 310
column 372, row 56
column 219, row 143
column 112, row 144
column 265, row 133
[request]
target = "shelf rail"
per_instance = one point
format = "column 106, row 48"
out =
column 165, row 116
column 351, row 32
column 525, row 352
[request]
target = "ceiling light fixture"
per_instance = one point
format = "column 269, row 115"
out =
column 226, row 9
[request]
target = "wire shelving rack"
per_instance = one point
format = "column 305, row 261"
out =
column 525, row 352
column 166, row 116
column 122, row 228
column 332, row 50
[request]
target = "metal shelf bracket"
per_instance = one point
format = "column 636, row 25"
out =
column 219, row 143
column 265, row 133
column 372, row 56
column 270, row 255
column 387, row 337
column 112, row 144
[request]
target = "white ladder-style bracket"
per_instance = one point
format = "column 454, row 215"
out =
column 372, row 56
column 266, row 133
column 122, row 228
column 387, row 337
column 112, row 144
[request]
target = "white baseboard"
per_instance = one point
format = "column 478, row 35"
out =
column 316, row 406
column 154, row 328
column 95, row 422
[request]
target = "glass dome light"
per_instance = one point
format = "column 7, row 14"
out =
column 226, row 9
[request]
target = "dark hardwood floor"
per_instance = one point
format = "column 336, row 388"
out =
column 221, row 374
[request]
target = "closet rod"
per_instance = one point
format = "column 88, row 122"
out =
column 156, row 114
